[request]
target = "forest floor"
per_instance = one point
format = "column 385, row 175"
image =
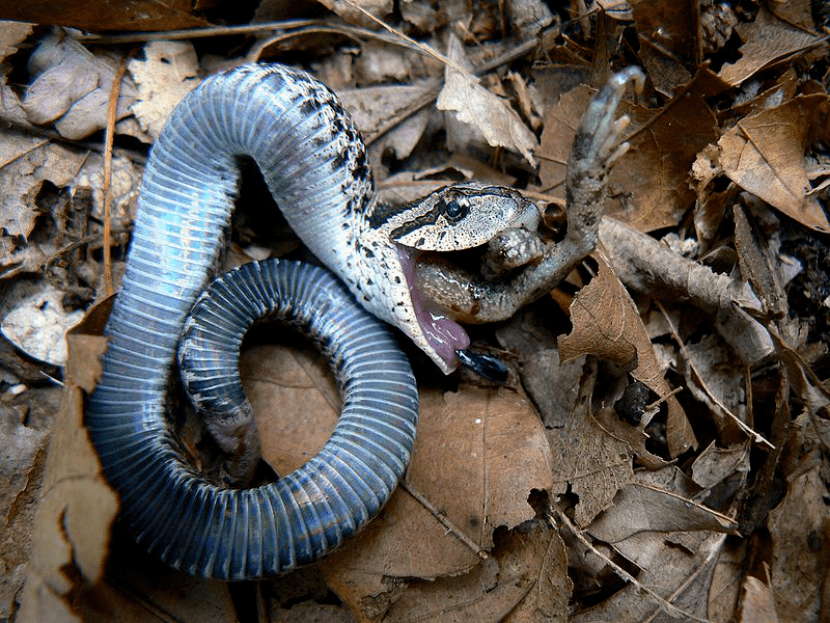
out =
column 661, row 448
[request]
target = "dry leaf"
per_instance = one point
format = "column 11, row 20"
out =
column 350, row 10
column 525, row 580
column 380, row 63
column 768, row 39
column 12, row 34
column 714, row 464
column 20, row 159
column 669, row 41
column 758, row 255
column 681, row 571
column 469, row 468
column 679, row 564
column 373, row 106
column 726, row 581
column 715, row 364
column 94, row 16
column 758, row 603
column 137, row 585
column 73, row 87
column 168, row 72
column 606, row 324
column 642, row 508
column 295, row 399
column 654, row 174
column 475, row 105
column 37, row 324
column 799, row 529
column 72, row 526
column 528, row 17
column 22, row 457
column 651, row 180
column 764, row 154
column 590, row 462
column 28, row 243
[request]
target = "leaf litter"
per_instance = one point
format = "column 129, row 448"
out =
column 706, row 500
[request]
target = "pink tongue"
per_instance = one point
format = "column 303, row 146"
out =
column 444, row 335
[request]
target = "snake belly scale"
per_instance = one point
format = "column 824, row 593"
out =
column 314, row 163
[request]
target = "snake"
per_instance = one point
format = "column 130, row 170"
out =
column 312, row 157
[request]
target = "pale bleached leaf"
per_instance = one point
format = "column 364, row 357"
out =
column 475, row 105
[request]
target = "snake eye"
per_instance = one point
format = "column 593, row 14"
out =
column 453, row 210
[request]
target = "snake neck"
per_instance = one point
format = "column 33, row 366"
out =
column 314, row 162
column 380, row 274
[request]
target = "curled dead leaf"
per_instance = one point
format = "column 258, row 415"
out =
column 75, row 515
column 168, row 72
column 765, row 155
column 606, row 323
column 475, row 105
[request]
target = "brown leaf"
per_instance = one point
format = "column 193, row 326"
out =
column 117, row 15
column 651, row 179
column 800, row 529
column 73, row 521
column 373, row 107
column 668, row 35
column 37, row 322
column 73, row 87
column 469, row 467
column 768, row 39
column 525, row 580
column 640, row 508
column 138, row 585
column 758, row 258
column 764, row 154
column 28, row 165
column 606, row 324
column 475, row 105
column 651, row 517
column 681, row 570
column 653, row 176
column 295, row 401
column 168, row 72
column 590, row 462
column 12, row 34
column 758, row 603
column 22, row 458
column 714, row 464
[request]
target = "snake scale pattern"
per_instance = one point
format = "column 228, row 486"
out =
column 313, row 160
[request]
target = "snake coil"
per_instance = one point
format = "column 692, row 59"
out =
column 314, row 163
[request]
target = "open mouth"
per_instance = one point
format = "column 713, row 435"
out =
column 441, row 332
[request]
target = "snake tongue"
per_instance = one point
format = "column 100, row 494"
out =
column 441, row 335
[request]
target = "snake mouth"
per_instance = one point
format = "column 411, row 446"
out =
column 442, row 334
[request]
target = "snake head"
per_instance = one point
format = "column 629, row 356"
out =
column 454, row 218
column 461, row 217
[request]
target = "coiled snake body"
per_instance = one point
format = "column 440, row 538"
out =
column 314, row 162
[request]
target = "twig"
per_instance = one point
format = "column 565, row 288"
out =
column 756, row 437
column 25, row 152
column 422, row 47
column 670, row 608
column 108, row 138
column 449, row 525
column 199, row 33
